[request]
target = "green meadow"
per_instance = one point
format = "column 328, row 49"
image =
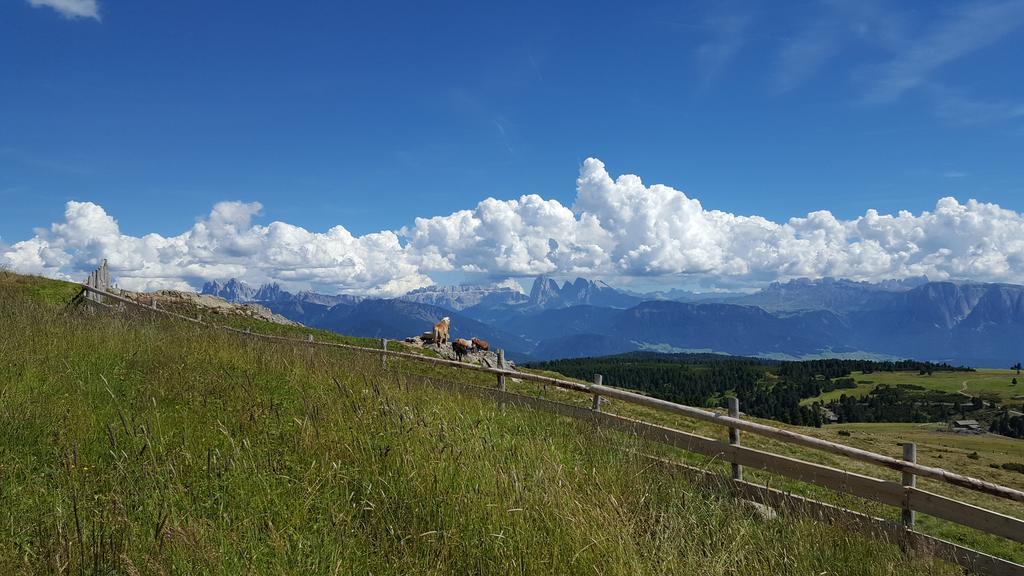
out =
column 137, row 444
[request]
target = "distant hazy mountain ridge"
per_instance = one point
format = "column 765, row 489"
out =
column 305, row 307
column 466, row 296
column 958, row 323
column 237, row 291
column 832, row 294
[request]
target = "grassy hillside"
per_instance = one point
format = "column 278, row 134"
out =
column 221, row 317
column 153, row 446
column 979, row 456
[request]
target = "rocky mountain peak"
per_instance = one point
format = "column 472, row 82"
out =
column 545, row 292
column 269, row 292
column 233, row 290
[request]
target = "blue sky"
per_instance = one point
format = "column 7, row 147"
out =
column 370, row 116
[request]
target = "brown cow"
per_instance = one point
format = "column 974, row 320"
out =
column 461, row 347
column 481, row 344
column 440, row 332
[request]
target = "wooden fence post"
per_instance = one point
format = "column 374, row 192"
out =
column 734, row 435
column 384, row 357
column 501, row 376
column 909, row 481
column 501, row 366
column 92, row 281
column 104, row 276
column 309, row 337
column 596, row 407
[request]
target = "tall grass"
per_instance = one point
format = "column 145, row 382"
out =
column 140, row 446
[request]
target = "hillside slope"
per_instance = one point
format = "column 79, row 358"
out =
column 150, row 446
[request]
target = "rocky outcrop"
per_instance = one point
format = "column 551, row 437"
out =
column 484, row 358
column 174, row 300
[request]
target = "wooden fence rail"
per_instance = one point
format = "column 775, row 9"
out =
column 855, row 484
column 816, row 443
column 98, row 279
column 904, row 495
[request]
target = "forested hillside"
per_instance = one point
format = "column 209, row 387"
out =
column 765, row 388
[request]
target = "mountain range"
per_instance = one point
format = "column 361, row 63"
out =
column 960, row 323
column 468, row 296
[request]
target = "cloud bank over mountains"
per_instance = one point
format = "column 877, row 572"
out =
column 616, row 227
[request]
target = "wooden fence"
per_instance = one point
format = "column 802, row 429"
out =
column 100, row 280
column 904, row 495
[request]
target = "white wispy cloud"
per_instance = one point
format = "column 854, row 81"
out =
column 71, row 8
column 915, row 52
column 616, row 228
column 727, row 36
column 961, row 32
column 802, row 55
column 957, row 107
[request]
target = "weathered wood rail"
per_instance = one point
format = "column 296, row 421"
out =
column 904, row 495
column 974, row 561
column 98, row 279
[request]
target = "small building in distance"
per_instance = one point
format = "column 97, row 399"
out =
column 965, row 426
column 829, row 416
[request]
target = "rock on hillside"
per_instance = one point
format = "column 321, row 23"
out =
column 482, row 357
column 216, row 305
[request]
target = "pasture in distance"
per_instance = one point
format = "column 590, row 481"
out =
column 987, row 383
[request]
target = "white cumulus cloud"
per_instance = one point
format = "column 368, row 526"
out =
column 71, row 8
column 222, row 245
column 616, row 228
column 621, row 227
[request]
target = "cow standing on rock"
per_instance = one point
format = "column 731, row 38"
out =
column 440, row 332
column 461, row 346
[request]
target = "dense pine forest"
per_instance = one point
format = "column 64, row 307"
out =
column 767, row 388
column 1012, row 426
column 903, row 403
